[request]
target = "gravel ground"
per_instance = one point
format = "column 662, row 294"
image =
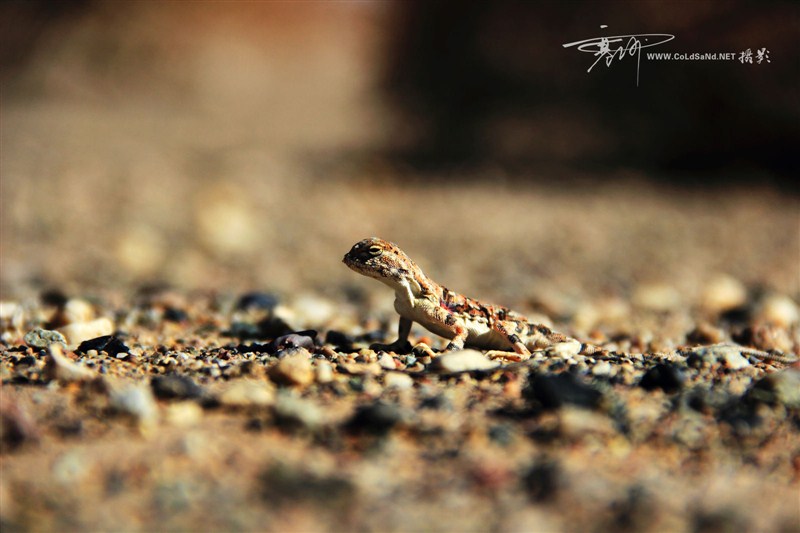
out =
column 168, row 409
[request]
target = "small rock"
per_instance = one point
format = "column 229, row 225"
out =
column 323, row 372
column 377, row 418
column 360, row 369
column 312, row 310
column 387, row 362
column 64, row 370
column 271, row 327
column 666, row 377
column 78, row 332
column 247, row 393
column 107, row 343
column 184, row 414
column 257, row 300
column 656, row 297
column 136, row 401
column 42, row 338
column 297, row 412
column 174, row 314
column 544, row 481
column 778, row 388
column 340, row 340
column 16, row 426
column 705, row 333
column 462, row 361
column 602, row 368
column 554, row 391
column 779, row 310
column 294, row 369
column 176, row 387
column 723, row 293
column 729, row 355
column 575, row 423
column 398, row 380
column 77, row 310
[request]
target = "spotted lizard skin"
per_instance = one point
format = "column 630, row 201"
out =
column 466, row 321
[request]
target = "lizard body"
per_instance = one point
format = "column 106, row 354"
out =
column 466, row 321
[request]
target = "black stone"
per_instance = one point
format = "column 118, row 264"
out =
column 377, row 418
column 340, row 340
column 176, row 387
column 501, row 434
column 553, row 391
column 543, row 481
column 243, row 330
column 667, row 377
column 107, row 343
column 257, row 300
column 173, row 314
column 27, row 360
column 273, row 327
column 54, row 297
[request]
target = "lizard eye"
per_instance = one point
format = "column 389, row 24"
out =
column 375, row 251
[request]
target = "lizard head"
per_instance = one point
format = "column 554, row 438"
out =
column 383, row 261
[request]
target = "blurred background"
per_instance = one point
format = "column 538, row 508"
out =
column 241, row 145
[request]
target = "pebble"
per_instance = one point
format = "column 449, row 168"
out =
column 175, row 387
column 42, row 338
column 292, row 411
column 664, row 376
column 77, row 311
column 554, row 391
column 257, row 300
column 323, row 372
column 137, row 401
column 294, row 369
column 16, row 426
column 398, row 380
column 377, row 418
column 730, row 356
column 313, row 311
column 184, row 414
column 62, row 369
column 387, row 362
column 576, row 423
column 602, row 368
column 781, row 387
column 779, row 310
column 462, row 361
column 107, row 343
column 723, row 293
column 78, row 332
column 656, row 297
column 248, row 393
column 360, row 369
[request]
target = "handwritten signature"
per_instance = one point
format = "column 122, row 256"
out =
column 631, row 45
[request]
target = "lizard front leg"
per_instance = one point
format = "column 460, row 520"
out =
column 401, row 345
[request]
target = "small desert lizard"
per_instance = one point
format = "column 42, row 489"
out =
column 466, row 321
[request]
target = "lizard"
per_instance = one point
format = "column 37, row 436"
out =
column 466, row 321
